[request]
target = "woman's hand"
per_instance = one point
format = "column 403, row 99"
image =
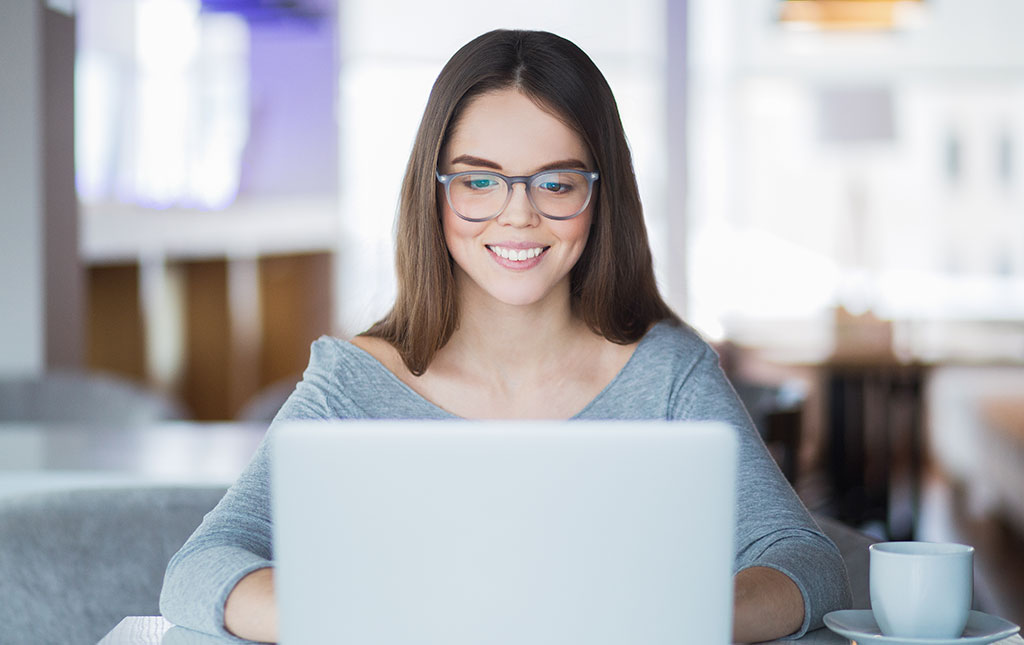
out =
column 250, row 611
column 767, row 605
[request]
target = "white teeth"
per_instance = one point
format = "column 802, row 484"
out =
column 517, row 255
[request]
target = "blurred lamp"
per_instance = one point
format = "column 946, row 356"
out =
column 848, row 14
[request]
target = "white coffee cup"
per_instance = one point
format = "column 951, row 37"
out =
column 921, row 589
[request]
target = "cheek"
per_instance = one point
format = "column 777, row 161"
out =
column 459, row 235
column 455, row 228
column 578, row 228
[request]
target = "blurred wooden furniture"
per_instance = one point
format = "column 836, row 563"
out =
column 875, row 455
column 1005, row 414
column 211, row 306
column 1002, row 445
column 225, row 328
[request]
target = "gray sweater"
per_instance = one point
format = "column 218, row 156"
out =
column 673, row 374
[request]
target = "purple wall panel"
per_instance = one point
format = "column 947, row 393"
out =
column 293, row 141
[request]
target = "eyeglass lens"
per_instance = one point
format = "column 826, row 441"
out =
column 483, row 195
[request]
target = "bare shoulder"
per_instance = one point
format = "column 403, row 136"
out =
column 384, row 352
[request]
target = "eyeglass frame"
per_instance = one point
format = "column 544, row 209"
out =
column 445, row 180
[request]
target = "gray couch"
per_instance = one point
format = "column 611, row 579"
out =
column 84, row 397
column 74, row 563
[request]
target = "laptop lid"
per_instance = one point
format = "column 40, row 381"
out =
column 470, row 532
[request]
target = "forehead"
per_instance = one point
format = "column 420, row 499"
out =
column 509, row 128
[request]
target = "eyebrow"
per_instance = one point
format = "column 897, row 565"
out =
column 470, row 160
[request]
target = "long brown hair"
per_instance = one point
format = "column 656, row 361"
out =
column 612, row 285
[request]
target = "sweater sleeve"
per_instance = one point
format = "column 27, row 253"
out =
column 234, row 538
column 773, row 528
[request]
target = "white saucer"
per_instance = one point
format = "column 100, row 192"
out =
column 860, row 625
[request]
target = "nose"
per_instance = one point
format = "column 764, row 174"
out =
column 519, row 212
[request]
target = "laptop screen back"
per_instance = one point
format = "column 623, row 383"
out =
column 470, row 532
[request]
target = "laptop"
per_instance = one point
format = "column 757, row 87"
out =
column 518, row 533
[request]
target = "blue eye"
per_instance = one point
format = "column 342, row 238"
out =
column 554, row 187
column 481, row 183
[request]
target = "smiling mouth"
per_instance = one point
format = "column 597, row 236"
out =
column 517, row 255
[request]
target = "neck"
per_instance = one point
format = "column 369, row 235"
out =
column 508, row 344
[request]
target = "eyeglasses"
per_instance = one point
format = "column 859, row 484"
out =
column 477, row 196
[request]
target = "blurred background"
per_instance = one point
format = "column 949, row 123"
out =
column 195, row 190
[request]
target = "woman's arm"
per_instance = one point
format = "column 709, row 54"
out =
column 773, row 529
column 767, row 605
column 234, row 541
column 250, row 611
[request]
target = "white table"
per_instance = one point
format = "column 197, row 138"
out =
column 154, row 630
column 37, row 457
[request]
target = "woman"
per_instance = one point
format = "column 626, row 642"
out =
column 525, row 290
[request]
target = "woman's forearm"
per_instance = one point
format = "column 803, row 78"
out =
column 250, row 611
column 767, row 605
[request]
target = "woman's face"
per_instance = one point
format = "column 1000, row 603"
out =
column 506, row 132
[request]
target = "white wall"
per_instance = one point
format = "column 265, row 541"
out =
column 21, row 208
column 787, row 221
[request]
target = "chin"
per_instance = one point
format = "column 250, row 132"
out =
column 507, row 290
column 518, row 297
